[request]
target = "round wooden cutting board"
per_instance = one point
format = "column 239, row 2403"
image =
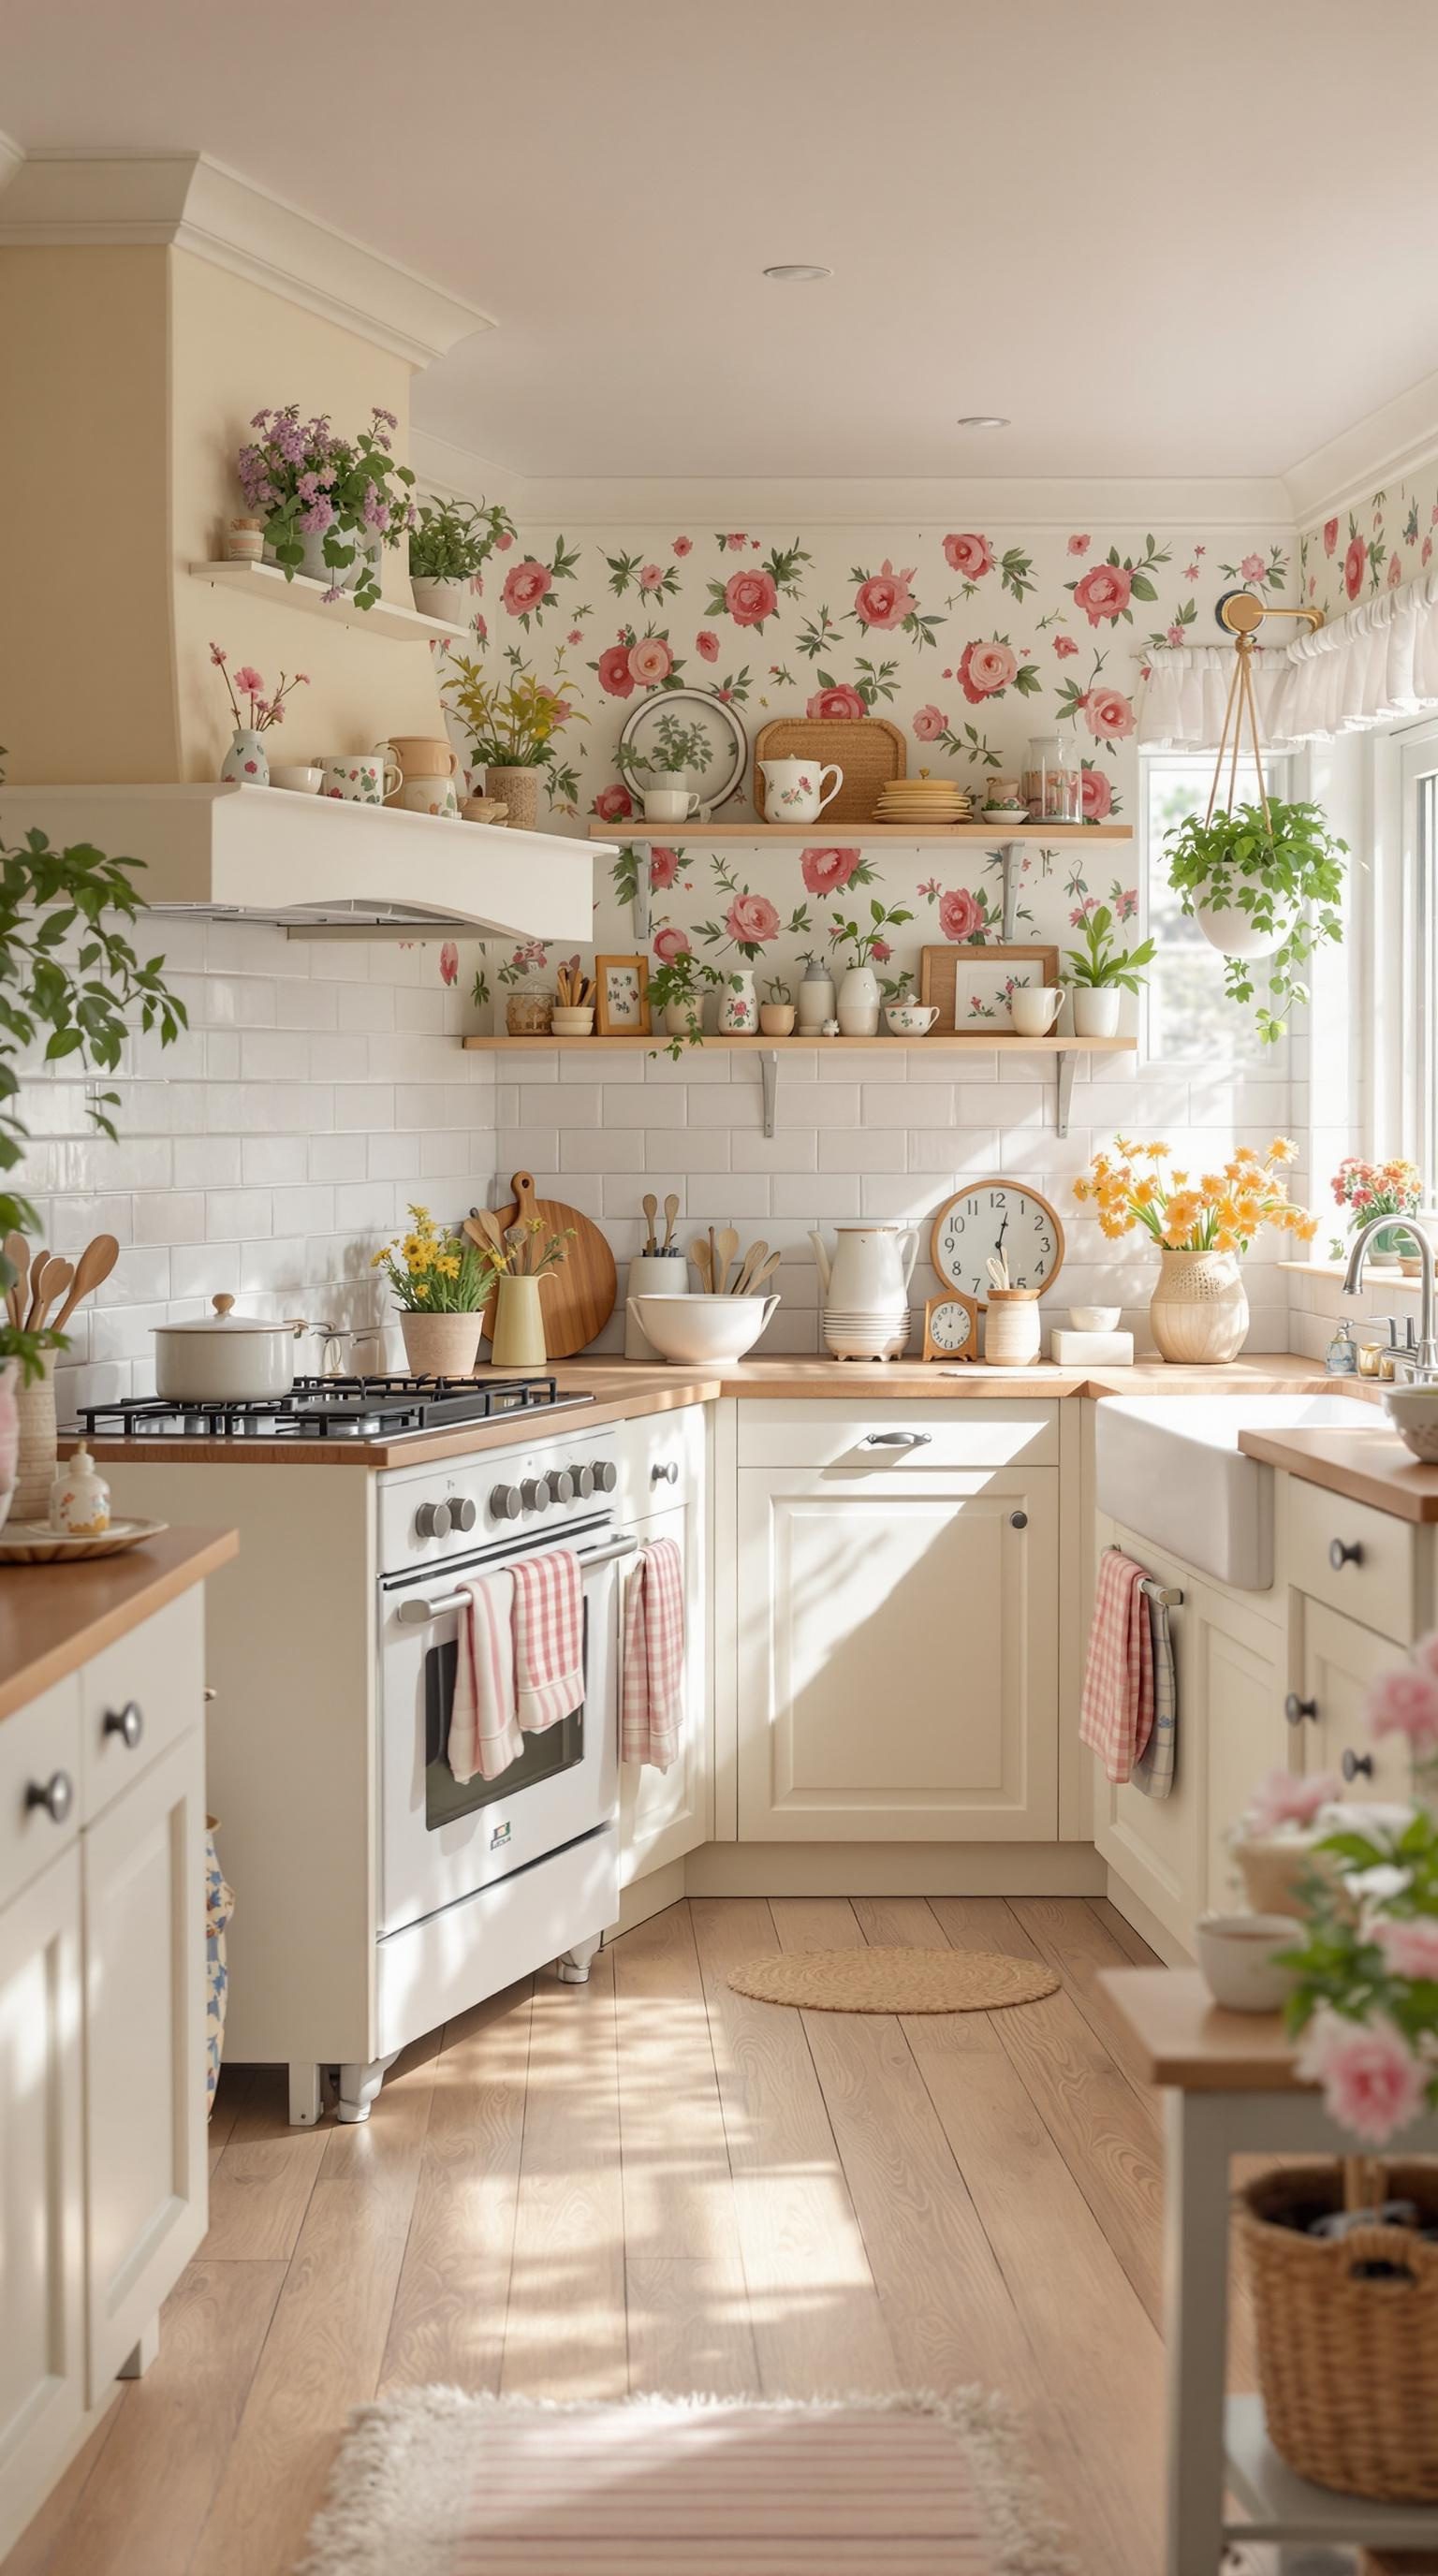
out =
column 577, row 1300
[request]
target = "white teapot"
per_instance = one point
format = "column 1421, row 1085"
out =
column 866, row 1289
column 794, row 789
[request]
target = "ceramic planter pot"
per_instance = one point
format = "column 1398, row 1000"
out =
column 519, row 790
column 1228, row 929
column 518, row 1325
column 776, row 1019
column 450, row 600
column 1096, row 1010
column 684, row 1019
column 858, row 1003
column 440, row 1345
column 1199, row 1310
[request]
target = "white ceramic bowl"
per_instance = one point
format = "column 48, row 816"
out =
column 566, row 1023
column 1235, row 1953
column 700, row 1330
column 1095, row 1319
column 1413, row 1412
column 300, row 781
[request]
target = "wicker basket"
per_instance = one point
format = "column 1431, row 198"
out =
column 529, row 1014
column 1348, row 2367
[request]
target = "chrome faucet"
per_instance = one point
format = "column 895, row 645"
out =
column 1425, row 1358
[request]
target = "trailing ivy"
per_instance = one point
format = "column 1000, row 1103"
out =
column 1284, row 874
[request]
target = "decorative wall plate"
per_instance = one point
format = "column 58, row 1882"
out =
column 990, row 1217
column 727, row 739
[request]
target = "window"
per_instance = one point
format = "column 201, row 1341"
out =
column 1190, row 1018
column 1412, row 938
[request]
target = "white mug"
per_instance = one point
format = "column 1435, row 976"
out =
column 669, row 805
column 428, row 796
column 1033, row 1008
column 794, row 789
column 361, row 777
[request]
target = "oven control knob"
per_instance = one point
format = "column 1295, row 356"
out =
column 506, row 1502
column 432, row 1520
column 606, row 1475
column 463, row 1513
column 560, row 1484
column 534, row 1494
column 582, row 1479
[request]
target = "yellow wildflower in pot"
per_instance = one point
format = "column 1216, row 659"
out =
column 1199, row 1310
column 440, row 1283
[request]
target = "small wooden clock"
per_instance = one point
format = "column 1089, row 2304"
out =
column 951, row 1327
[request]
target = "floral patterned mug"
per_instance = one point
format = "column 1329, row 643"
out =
column 362, row 777
column 794, row 789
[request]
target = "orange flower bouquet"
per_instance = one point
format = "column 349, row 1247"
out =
column 1202, row 1226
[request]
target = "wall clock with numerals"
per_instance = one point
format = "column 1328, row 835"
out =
column 951, row 1328
column 992, row 1217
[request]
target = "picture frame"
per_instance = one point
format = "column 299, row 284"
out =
column 969, row 985
column 951, row 1326
column 621, row 997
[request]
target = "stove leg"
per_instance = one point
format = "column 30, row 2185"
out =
column 573, row 1969
column 305, row 2099
column 358, row 2086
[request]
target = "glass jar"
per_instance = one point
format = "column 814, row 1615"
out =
column 1053, row 786
column 529, row 1012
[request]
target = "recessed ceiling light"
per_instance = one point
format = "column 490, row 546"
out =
column 984, row 420
column 797, row 272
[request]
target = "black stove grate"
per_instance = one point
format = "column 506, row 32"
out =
column 330, row 1408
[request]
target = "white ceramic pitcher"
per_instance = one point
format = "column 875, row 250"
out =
column 794, row 789
column 866, row 1289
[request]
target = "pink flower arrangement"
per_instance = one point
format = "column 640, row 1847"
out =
column 985, row 669
column 1373, row 2084
column 1284, row 1798
column 824, row 871
column 960, row 914
column 249, row 683
column 706, row 644
column 972, row 556
column 1103, row 592
column 929, row 724
column 1108, row 714
column 884, row 599
column 1409, row 1943
column 840, row 704
column 751, row 920
column 750, row 597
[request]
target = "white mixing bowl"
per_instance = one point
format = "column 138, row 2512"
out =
column 701, row 1330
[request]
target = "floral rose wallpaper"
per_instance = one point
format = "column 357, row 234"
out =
column 971, row 638
column 1381, row 542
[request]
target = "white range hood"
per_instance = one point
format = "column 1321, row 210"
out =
column 316, row 863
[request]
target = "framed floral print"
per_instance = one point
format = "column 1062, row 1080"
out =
column 621, row 997
column 970, row 986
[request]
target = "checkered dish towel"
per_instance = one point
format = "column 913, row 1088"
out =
column 652, row 1698
column 548, row 1638
column 1153, row 1767
column 1118, row 1682
column 484, row 1733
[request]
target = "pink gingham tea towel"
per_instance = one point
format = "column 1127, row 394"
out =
column 1118, row 1682
column 651, row 1705
column 548, row 1638
column 484, row 1731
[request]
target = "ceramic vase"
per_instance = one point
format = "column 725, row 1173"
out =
column 518, row 1325
column 1096, row 1009
column 1011, row 1327
column 816, row 1000
column 738, row 1007
column 858, row 1003
column 35, row 1411
column 519, row 790
column 452, row 601
column 247, row 762
column 440, row 1345
column 1199, row 1310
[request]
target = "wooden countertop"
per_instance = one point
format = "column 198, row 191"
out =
column 53, row 1618
column 1188, row 2041
column 1368, row 1464
column 626, row 1389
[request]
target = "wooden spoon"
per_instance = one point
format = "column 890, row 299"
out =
column 748, row 1266
column 702, row 1259
column 725, row 1248
column 58, row 1277
column 650, row 1205
column 671, row 1212
column 759, row 1277
column 91, row 1271
column 39, row 1264
column 482, row 1227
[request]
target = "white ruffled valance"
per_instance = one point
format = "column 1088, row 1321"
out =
column 1375, row 666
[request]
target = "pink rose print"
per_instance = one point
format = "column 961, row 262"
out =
column 972, row 556
column 663, row 866
column 751, row 919
column 929, row 723
column 1097, row 796
column 669, row 944
column 1251, row 567
column 1330, row 535
column 706, row 644
column 1063, row 646
column 481, row 628
column 1108, row 714
column 959, row 914
column 750, row 597
column 1395, row 571
column 885, row 599
column 613, row 805
column 839, row 704
column 449, row 963
column 881, row 952
column 1426, row 551
column 524, row 586
column 1079, row 545
column 651, row 660
column 1173, row 635
column 737, row 542
column 683, row 546
column 984, row 669
column 1354, row 565
column 576, row 635
column 504, row 543
column 651, row 578
column 825, row 871
column 614, row 672
column 1103, row 592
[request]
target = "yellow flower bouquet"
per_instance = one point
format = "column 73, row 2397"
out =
column 1217, row 1212
column 430, row 1273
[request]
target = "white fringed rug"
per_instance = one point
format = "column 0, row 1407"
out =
column 434, row 2482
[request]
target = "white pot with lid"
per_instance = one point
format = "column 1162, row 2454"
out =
column 226, row 1358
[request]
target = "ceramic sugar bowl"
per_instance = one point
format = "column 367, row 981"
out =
column 79, row 1497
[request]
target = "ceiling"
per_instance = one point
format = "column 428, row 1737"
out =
column 1165, row 241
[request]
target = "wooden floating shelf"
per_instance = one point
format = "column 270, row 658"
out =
column 989, row 835
column 943, row 1044
column 399, row 625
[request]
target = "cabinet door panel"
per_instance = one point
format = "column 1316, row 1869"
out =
column 1340, row 1663
column 898, row 1655
column 42, row 2373
column 663, row 1814
column 144, row 2049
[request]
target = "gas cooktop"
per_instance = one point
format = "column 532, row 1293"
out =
column 332, row 1408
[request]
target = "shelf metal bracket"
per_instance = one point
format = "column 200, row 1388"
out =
column 643, row 907
column 769, row 1077
column 1067, row 1067
column 1009, row 853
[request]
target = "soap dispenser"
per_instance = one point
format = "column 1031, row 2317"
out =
column 1341, row 1359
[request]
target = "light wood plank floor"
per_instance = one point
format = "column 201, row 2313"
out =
column 652, row 2182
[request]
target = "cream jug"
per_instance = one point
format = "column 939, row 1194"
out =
column 794, row 789
column 866, row 1289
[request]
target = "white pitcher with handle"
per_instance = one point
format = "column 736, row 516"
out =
column 794, row 789
column 866, row 1289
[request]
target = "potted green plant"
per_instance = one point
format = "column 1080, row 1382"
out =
column 512, row 718
column 1099, row 970
column 1264, row 881
column 858, row 998
column 329, row 504
column 449, row 544
column 676, row 995
column 776, row 1016
column 676, row 751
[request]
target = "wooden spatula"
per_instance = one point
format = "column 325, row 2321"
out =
column 726, row 1244
column 747, row 1268
column 703, row 1260
column 671, row 1212
column 759, row 1277
column 91, row 1271
column 650, row 1205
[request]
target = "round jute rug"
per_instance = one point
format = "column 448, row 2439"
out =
column 892, row 1980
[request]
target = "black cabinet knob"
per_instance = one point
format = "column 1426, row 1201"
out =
column 1356, row 1766
column 1343, row 1552
column 56, row 1795
column 127, row 1722
column 1018, row 1520
column 1296, row 1709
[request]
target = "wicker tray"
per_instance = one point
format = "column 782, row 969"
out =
column 869, row 750
column 35, row 1543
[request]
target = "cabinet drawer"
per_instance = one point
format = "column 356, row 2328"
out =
column 39, row 1745
column 1377, row 1582
column 138, row 1696
column 854, row 1435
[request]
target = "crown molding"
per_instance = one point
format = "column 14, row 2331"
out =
column 1379, row 449
column 183, row 200
column 463, row 475
column 11, row 157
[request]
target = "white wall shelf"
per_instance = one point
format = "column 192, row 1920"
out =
column 398, row 625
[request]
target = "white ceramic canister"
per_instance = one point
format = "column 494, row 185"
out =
column 816, row 998
column 1011, row 1327
column 651, row 1274
column 858, row 1005
column 738, row 1004
column 866, row 1289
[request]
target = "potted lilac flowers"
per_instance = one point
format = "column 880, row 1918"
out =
column 329, row 504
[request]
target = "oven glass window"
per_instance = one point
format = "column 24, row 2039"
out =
column 545, row 1755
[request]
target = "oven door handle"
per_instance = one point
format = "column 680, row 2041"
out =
column 419, row 1610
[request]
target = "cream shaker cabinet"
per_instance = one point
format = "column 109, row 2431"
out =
column 42, row 2244
column 1337, row 1662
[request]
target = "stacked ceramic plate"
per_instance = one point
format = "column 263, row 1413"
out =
column 923, row 801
